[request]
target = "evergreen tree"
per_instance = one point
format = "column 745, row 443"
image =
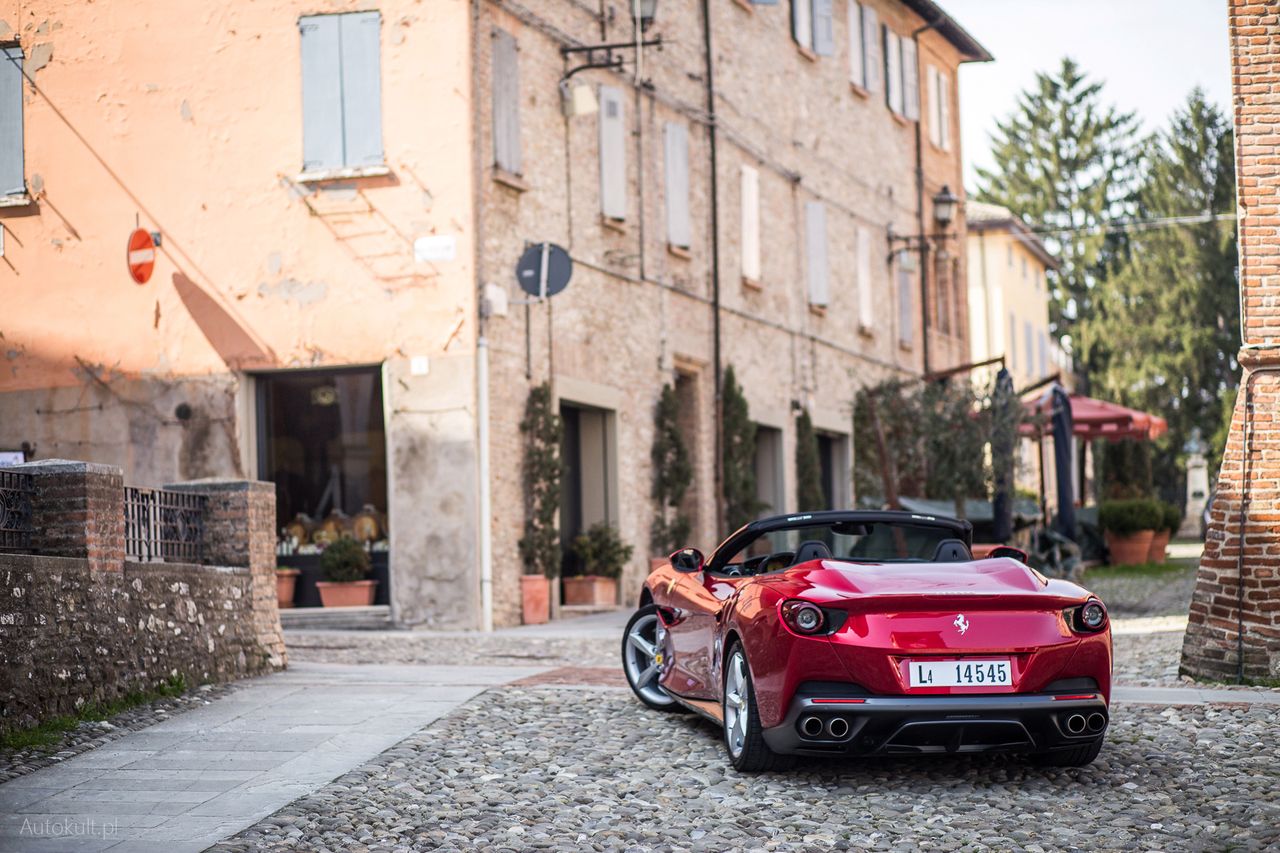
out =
column 542, row 430
column 672, row 475
column 1067, row 165
column 809, row 492
column 1170, row 314
column 739, row 455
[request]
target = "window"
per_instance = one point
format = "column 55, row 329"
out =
column 613, row 154
column 910, row 80
column 906, row 315
column 942, row 277
column 1009, row 251
column 1031, row 358
column 341, row 91
column 1011, row 345
column 865, row 301
column 1024, row 267
column 750, row 223
column 506, row 103
column 857, row 55
column 12, row 178
column 872, row 62
column 812, row 26
column 676, row 159
column 893, row 70
column 940, row 112
column 1044, row 354
column 815, row 241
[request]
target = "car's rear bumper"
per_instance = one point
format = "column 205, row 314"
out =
column 889, row 725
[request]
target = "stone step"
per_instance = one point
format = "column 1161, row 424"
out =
column 371, row 618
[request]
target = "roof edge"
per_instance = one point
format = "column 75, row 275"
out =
column 970, row 48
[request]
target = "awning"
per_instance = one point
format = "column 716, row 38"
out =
column 1093, row 418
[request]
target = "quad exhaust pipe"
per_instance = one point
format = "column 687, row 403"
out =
column 813, row 727
column 838, row 727
column 1076, row 724
column 1097, row 722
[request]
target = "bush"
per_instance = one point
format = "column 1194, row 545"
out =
column 1130, row 516
column 1172, row 518
column 344, row 560
column 602, row 551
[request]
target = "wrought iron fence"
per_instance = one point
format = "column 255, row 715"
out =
column 163, row 526
column 16, row 492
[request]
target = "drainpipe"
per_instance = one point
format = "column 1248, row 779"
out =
column 924, row 242
column 1246, row 476
column 715, row 260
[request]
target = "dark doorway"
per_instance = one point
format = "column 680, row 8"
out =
column 586, row 488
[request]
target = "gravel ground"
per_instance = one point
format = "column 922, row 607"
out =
column 434, row 648
column 91, row 735
column 590, row 769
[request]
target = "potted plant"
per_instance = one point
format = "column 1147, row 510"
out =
column 344, row 564
column 1129, row 526
column 1170, row 518
column 540, row 545
column 286, row 582
column 603, row 555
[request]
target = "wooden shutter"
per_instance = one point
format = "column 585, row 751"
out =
column 322, row 142
column 750, row 223
column 910, row 80
column 506, row 102
column 12, row 180
column 871, row 59
column 893, row 70
column 857, row 70
column 764, row 2
column 906, row 315
column 802, row 22
column 824, row 30
column 361, row 89
column 613, row 154
column 931, row 75
column 676, row 160
column 815, row 238
column 866, row 317
column 944, row 103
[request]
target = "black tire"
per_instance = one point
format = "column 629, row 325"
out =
column 1079, row 756
column 649, row 692
column 755, row 755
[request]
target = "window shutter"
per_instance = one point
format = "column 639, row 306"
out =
column 857, row 70
column 361, row 88
column 935, row 123
column 506, row 102
column 906, row 315
column 1031, row 356
column 871, row 59
column 750, row 223
column 893, row 70
column 910, row 80
column 12, row 180
column 1044, row 355
column 944, row 117
column 865, row 300
column 815, row 233
column 764, row 2
column 613, row 154
column 676, row 149
column 322, row 142
column 802, row 22
column 824, row 30
column 1011, row 346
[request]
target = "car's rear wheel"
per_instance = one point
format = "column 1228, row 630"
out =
column 742, row 731
column 641, row 658
column 1079, row 756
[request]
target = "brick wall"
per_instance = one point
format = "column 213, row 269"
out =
column 1234, row 629
column 80, row 624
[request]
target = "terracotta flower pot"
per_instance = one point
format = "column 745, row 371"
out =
column 1159, row 542
column 592, row 590
column 535, row 598
column 286, row 581
column 350, row 594
column 1129, row 550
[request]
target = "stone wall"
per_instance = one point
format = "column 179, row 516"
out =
column 1234, row 626
column 79, row 623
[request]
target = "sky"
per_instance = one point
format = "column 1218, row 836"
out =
column 1148, row 53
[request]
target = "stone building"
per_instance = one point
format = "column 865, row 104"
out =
column 1233, row 631
column 335, row 185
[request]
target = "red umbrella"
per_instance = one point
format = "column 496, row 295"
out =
column 1099, row 419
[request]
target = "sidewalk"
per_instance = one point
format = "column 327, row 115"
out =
column 189, row 782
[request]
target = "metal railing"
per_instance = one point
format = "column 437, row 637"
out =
column 16, row 526
column 163, row 526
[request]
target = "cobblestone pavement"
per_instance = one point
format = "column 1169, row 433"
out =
column 589, row 768
column 1144, row 592
column 498, row 649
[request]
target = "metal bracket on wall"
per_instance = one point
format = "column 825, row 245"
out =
column 603, row 55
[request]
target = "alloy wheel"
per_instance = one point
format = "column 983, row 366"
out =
column 641, row 658
column 736, row 704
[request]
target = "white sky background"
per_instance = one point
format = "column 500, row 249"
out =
column 1148, row 53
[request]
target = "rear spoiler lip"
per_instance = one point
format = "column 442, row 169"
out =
column 950, row 599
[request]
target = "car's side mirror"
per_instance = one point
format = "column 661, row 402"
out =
column 1012, row 553
column 687, row 560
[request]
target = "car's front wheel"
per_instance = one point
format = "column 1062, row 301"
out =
column 642, row 659
column 742, row 731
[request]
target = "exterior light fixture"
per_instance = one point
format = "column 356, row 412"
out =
column 645, row 11
column 944, row 207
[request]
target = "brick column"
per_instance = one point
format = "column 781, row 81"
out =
column 78, row 511
column 239, row 530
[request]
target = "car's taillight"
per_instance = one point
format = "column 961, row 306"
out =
column 1088, row 618
column 805, row 617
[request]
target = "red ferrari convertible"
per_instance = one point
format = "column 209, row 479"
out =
column 872, row 633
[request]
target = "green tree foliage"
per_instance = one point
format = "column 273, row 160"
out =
column 672, row 475
column 809, row 492
column 738, row 454
column 542, row 431
column 1126, row 469
column 1067, row 165
column 1170, row 314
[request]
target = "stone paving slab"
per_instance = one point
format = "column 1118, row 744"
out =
column 189, row 782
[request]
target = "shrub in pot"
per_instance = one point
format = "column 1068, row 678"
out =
column 286, row 583
column 344, row 564
column 603, row 555
column 1129, row 526
column 1170, row 519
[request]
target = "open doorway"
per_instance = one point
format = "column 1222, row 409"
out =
column 588, row 487
column 833, row 459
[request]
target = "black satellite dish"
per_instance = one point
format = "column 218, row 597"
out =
column 544, row 270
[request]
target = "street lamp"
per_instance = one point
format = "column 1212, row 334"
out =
column 944, row 207
column 646, row 11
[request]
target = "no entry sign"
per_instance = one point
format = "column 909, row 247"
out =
column 142, row 256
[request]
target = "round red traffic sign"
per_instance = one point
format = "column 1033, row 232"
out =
column 142, row 255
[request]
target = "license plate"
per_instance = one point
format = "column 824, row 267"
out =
column 961, row 673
